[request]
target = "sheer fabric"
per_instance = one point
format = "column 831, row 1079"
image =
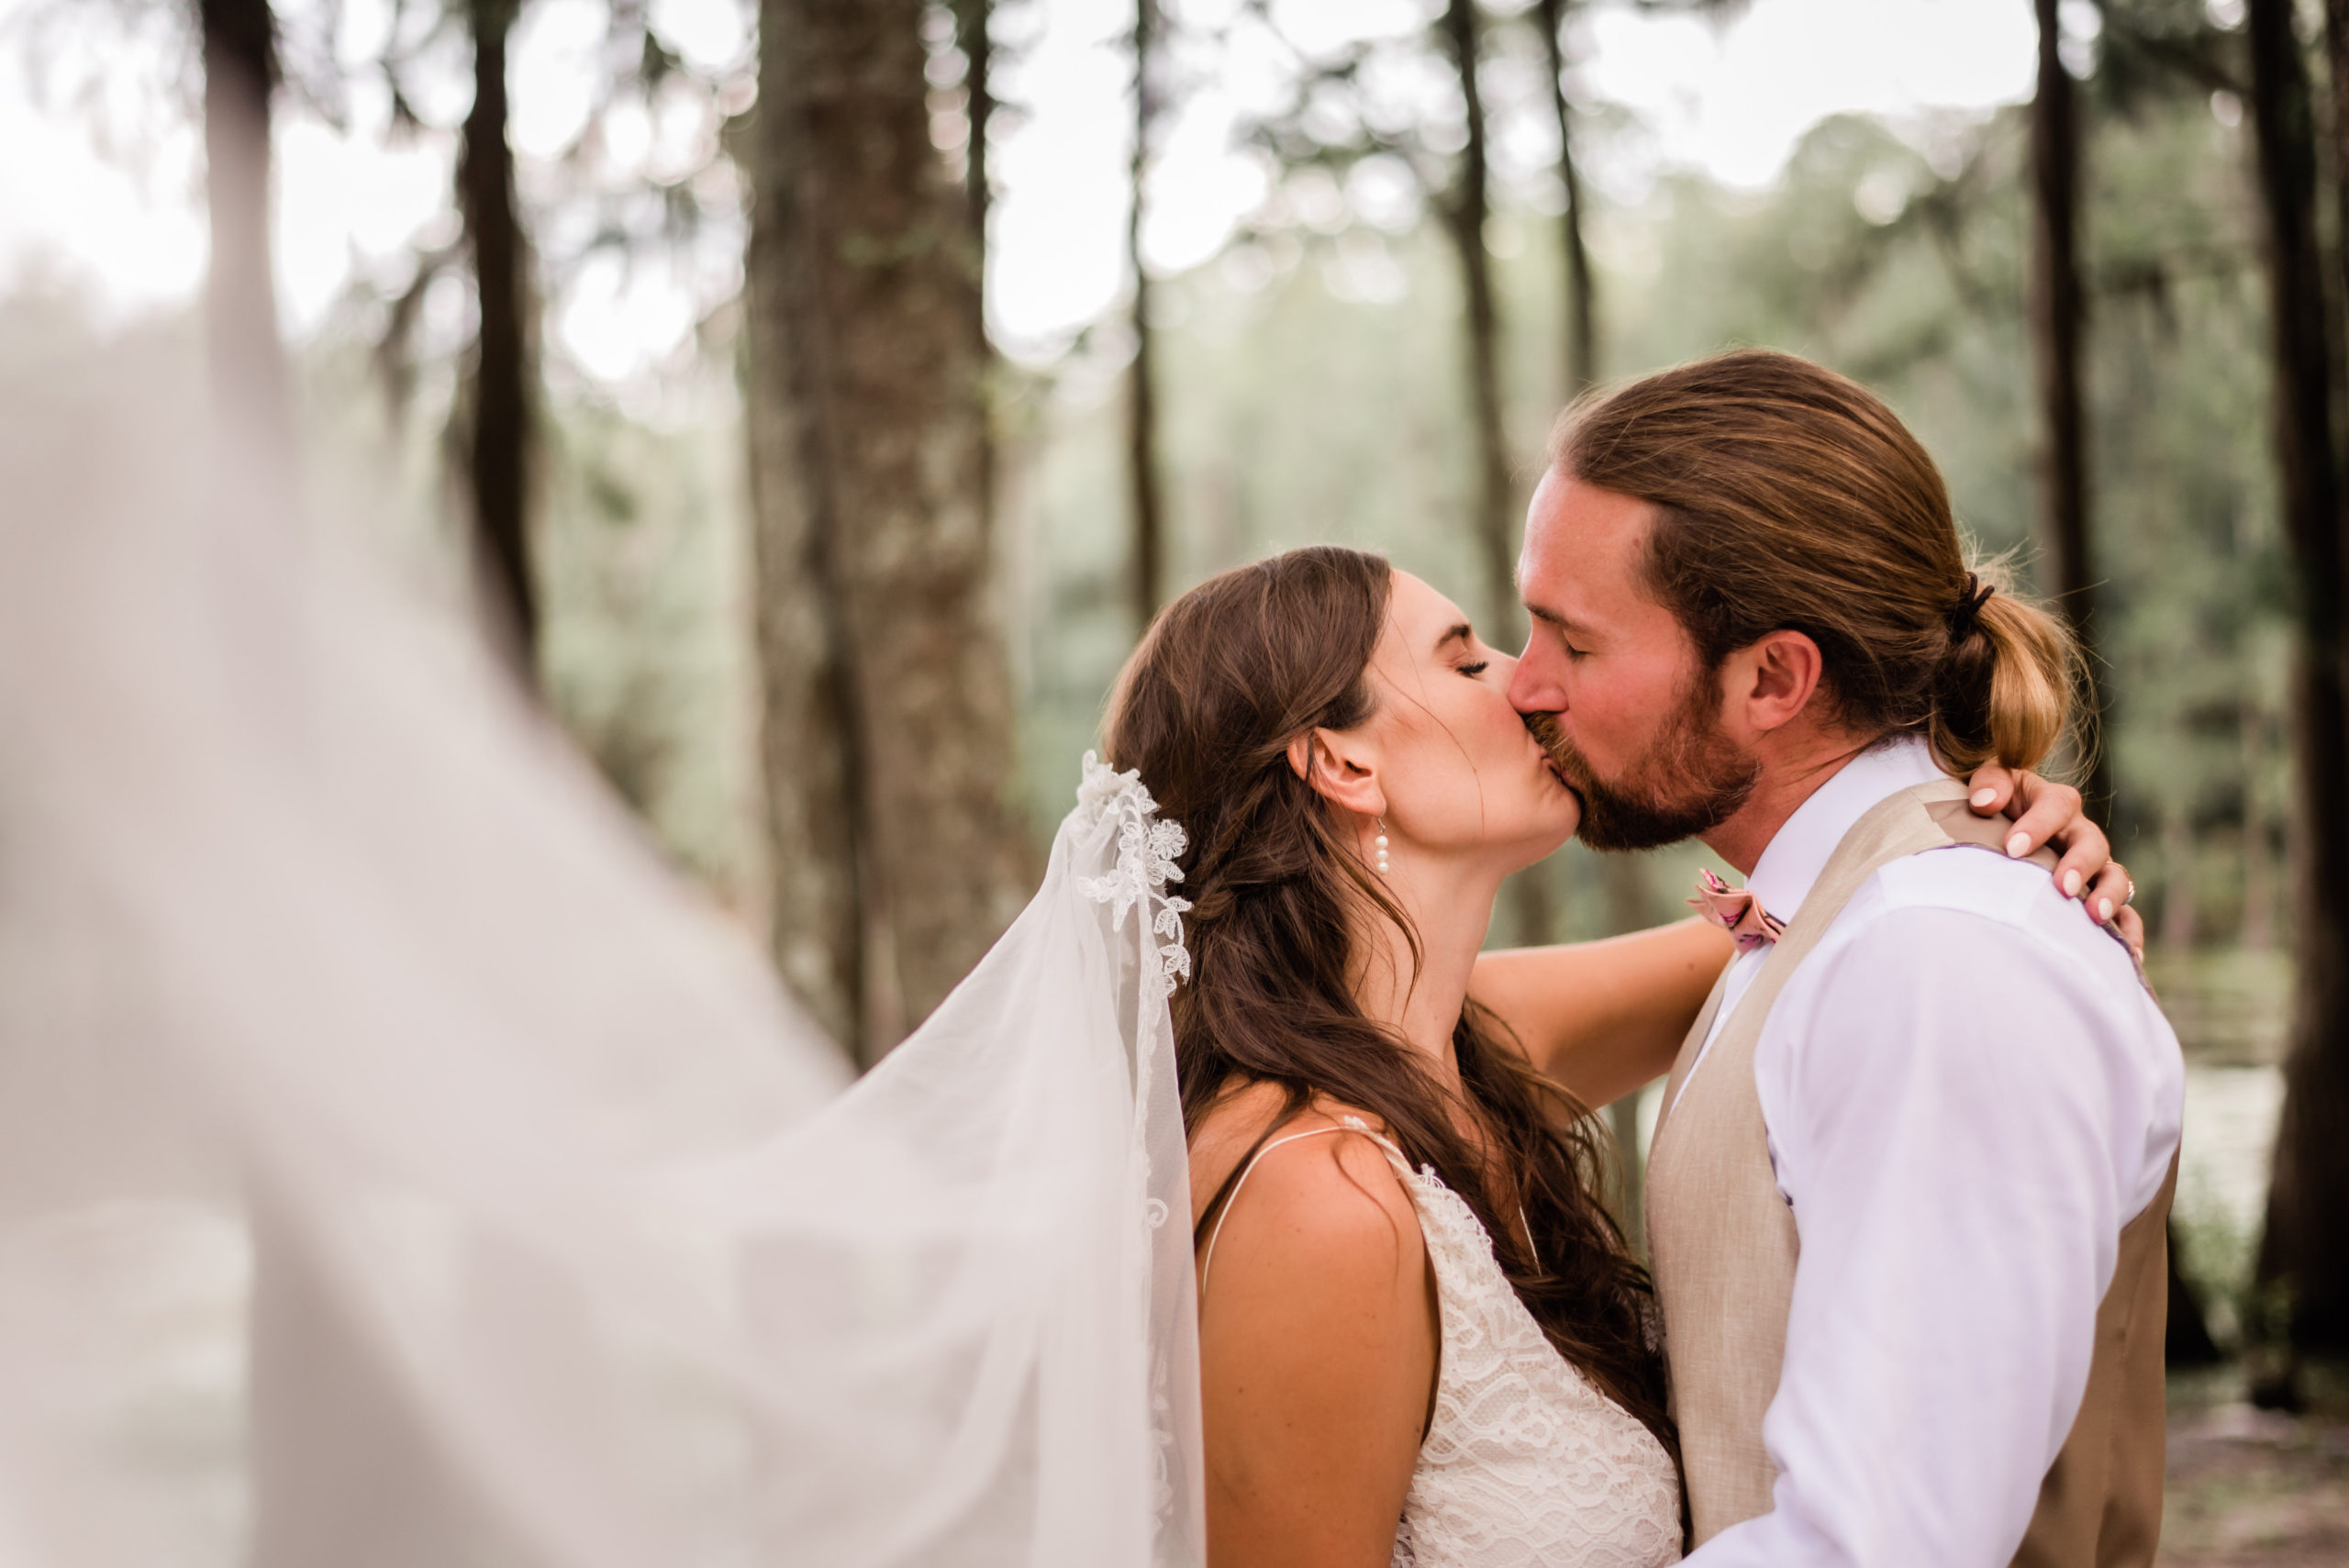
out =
column 398, row 1166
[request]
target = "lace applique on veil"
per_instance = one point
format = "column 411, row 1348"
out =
column 1137, row 883
column 1146, row 850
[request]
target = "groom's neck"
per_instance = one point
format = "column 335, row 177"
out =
column 1792, row 767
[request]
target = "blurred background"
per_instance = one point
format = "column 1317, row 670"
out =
column 812, row 399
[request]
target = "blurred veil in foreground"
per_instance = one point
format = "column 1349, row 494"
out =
column 400, row 1166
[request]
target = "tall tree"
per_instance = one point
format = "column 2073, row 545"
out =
column 2304, row 1250
column 240, row 295
column 976, row 40
column 1144, row 479
column 497, row 443
column 2058, row 319
column 1467, row 210
column 1582, row 305
column 898, row 853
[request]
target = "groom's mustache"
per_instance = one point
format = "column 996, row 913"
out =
column 1553, row 738
column 1573, row 768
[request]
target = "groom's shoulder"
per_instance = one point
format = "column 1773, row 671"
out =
column 1962, row 896
column 1968, row 880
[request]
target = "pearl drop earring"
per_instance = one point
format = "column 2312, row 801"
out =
column 1379, row 843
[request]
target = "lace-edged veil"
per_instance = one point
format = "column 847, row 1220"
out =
column 398, row 1166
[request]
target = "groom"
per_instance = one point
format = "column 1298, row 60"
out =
column 1908, row 1189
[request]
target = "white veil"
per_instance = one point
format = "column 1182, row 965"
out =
column 398, row 1166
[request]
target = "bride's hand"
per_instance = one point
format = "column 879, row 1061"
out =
column 2050, row 812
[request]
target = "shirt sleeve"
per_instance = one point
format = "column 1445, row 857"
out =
column 1952, row 1146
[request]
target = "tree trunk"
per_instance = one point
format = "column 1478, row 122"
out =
column 971, row 19
column 1148, row 488
column 1582, row 308
column 248, row 370
column 898, row 853
column 498, row 451
column 2336, row 53
column 2304, row 1250
column 2258, row 852
column 2180, row 909
column 2057, row 316
column 1470, row 206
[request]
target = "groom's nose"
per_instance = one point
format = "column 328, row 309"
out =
column 1536, row 686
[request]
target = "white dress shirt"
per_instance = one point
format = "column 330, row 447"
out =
column 1967, row 1093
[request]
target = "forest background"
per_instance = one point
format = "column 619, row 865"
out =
column 825, row 542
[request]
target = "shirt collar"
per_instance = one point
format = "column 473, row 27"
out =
column 1792, row 863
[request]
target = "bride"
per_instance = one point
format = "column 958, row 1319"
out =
column 1420, row 1336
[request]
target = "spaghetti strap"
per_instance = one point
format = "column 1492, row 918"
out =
column 1350, row 1124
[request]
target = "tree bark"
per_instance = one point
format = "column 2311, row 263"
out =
column 1470, row 206
column 898, row 853
column 2058, row 311
column 1469, row 209
column 972, row 18
column 2258, row 852
column 2304, row 1250
column 499, row 450
column 2336, row 54
column 248, row 368
column 971, row 36
column 1582, row 307
column 1147, row 486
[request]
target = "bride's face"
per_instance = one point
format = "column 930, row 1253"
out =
column 1461, row 776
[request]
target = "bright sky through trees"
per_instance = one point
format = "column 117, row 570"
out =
column 124, row 222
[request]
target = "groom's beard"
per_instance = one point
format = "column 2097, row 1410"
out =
column 1691, row 778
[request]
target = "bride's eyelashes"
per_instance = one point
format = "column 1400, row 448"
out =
column 1478, row 668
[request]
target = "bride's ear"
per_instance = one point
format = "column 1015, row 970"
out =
column 1342, row 774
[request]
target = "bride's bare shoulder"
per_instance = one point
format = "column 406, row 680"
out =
column 1333, row 1180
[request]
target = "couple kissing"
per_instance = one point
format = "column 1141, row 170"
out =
column 1919, row 1132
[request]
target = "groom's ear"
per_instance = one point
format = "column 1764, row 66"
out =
column 1774, row 678
column 1339, row 771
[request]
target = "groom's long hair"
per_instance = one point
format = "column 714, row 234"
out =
column 1230, row 674
column 1789, row 497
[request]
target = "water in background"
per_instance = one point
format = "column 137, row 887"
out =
column 2229, row 1009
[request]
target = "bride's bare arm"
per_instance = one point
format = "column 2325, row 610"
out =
column 1318, row 1335
column 1604, row 1018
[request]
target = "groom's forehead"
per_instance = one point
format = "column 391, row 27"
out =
column 1583, row 547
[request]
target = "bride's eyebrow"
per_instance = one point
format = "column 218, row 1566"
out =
column 1460, row 634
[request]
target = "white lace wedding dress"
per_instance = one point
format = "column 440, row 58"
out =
column 1526, row 1465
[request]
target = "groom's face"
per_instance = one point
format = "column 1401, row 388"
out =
column 1611, row 682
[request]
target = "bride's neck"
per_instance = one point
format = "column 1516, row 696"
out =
column 1450, row 909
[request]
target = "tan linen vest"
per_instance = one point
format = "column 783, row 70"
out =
column 1724, row 1245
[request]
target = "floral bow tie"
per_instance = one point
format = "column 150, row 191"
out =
column 1736, row 911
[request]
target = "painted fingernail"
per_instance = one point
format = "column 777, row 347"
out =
column 2104, row 911
column 2071, row 884
column 1983, row 796
column 2020, row 845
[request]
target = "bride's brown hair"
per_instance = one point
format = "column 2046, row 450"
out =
column 1205, row 708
